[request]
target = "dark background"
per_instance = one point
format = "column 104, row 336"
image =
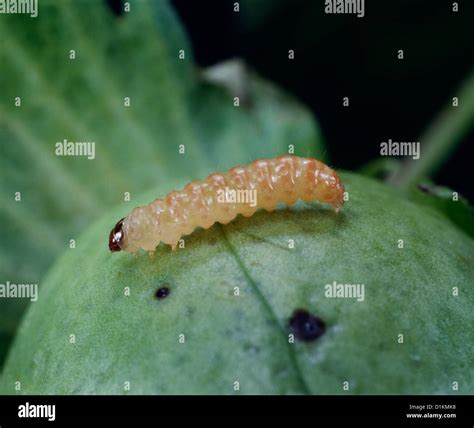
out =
column 342, row 55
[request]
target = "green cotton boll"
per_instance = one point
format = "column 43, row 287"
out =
column 221, row 324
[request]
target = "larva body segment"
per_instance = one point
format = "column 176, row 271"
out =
column 200, row 204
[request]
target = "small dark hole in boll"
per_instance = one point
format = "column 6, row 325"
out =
column 162, row 292
column 306, row 326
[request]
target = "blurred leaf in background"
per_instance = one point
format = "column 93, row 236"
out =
column 135, row 56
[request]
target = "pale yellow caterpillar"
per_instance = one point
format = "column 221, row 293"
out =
column 283, row 179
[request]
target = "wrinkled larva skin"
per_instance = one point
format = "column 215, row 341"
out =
column 283, row 179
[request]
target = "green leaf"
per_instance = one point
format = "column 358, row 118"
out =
column 244, row 338
column 82, row 99
column 448, row 202
column 443, row 199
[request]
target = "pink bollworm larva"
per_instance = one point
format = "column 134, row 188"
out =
column 202, row 203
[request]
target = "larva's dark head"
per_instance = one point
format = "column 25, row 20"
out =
column 116, row 236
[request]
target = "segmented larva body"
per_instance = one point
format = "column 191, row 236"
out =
column 283, row 179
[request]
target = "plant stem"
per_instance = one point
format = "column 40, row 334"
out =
column 440, row 138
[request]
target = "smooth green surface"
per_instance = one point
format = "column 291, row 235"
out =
column 244, row 338
column 137, row 147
